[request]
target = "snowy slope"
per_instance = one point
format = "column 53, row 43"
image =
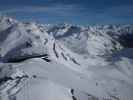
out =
column 65, row 62
column 27, row 40
column 85, row 40
column 102, row 83
column 93, row 40
column 11, row 81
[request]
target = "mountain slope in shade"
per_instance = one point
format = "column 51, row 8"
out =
column 65, row 62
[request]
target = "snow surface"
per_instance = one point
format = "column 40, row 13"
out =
column 65, row 62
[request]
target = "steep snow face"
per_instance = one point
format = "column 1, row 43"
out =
column 29, row 40
column 83, row 40
column 65, row 33
column 93, row 40
column 24, row 40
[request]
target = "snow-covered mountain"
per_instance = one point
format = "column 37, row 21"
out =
column 65, row 62
column 92, row 40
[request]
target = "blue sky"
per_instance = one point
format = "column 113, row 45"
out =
column 70, row 11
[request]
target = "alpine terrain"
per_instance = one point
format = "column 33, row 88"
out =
column 65, row 62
